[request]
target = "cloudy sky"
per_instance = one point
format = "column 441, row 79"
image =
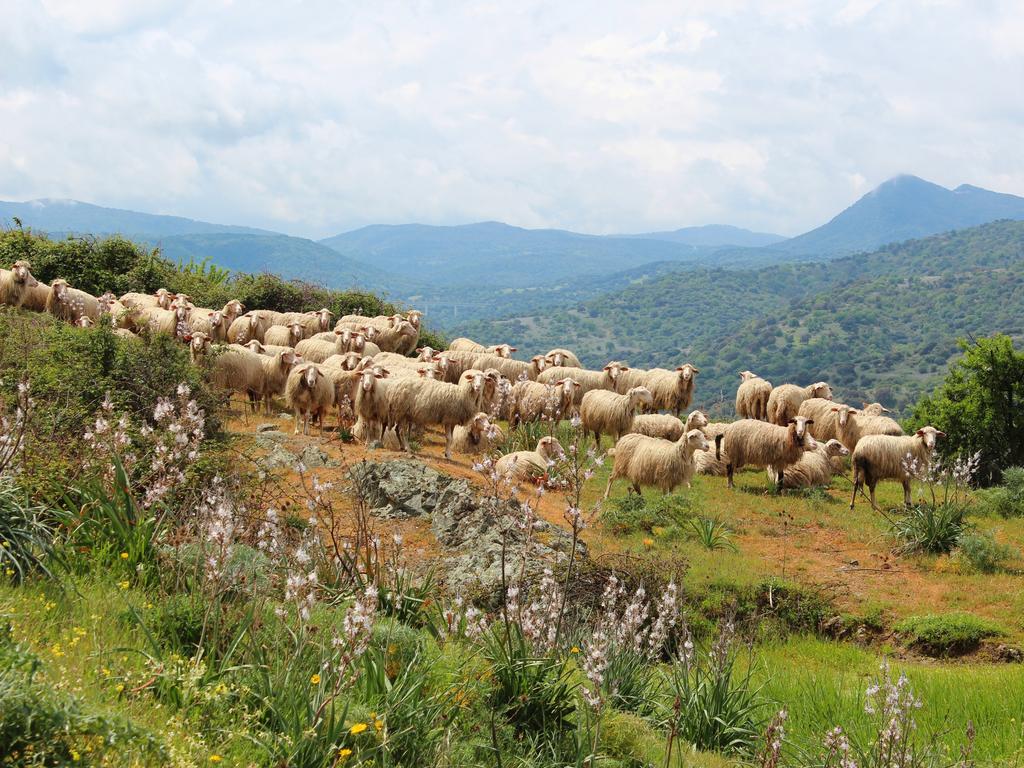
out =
column 315, row 117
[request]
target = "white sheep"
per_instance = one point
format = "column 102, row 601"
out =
column 815, row 467
column 874, row 409
column 69, row 303
column 671, row 390
column 610, row 412
column 752, row 396
column 852, row 426
column 402, row 337
column 892, row 457
column 211, row 322
column 480, row 436
column 16, row 283
column 655, row 462
column 501, row 350
column 421, row 402
column 275, row 376
column 309, row 394
column 784, row 401
column 758, row 443
column 346, row 362
column 533, row 401
column 666, row 426
column 825, row 414
column 513, row 370
column 236, row 370
column 462, row 344
column 317, row 351
column 285, row 335
column 519, row 466
column 562, row 358
column 173, row 322
column 36, row 297
column 251, row 325
column 162, row 299
column 371, row 404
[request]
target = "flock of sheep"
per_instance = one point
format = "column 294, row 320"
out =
column 363, row 369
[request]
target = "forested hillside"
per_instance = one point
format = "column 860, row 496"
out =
column 880, row 326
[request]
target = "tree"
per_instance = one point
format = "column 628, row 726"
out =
column 980, row 406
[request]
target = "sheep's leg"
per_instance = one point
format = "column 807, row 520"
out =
column 636, row 487
column 295, row 418
column 906, row 492
column 608, row 488
column 871, row 486
column 856, row 487
column 448, row 429
column 728, row 473
column 779, row 482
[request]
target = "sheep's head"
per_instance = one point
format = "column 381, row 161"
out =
column 834, row 448
column 929, row 435
column 414, row 316
column 234, row 308
column 84, row 322
column 406, row 328
column 549, row 448
column 370, row 332
column 539, row 363
column 216, row 318
column 310, row 375
column 286, row 358
column 478, row 425
column 748, row 375
column 60, row 290
column 255, row 346
column 569, row 388
column 357, row 342
column 640, row 396
column 295, row 331
column 181, row 312
column 822, row 390
column 697, row 440
column 555, row 359
column 350, row 361
column 426, row 354
column 324, row 316
column 687, row 372
column 696, row 420
column 22, row 274
column 198, row 343
column 505, row 350
column 475, row 380
column 844, row 412
column 364, row 363
column 164, row 298
column 799, row 426
column 875, row 409
column 613, row 369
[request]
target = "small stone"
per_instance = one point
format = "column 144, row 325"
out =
column 266, row 427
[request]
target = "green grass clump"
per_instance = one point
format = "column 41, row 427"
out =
column 1006, row 500
column 983, row 554
column 944, row 635
column 633, row 513
column 931, row 528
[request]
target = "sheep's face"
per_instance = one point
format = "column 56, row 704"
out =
column 287, row 358
column 358, row 342
column 164, row 298
column 350, row 361
column 414, row 317
column 234, row 308
column 480, row 424
column 697, row 440
column 370, row 332
column 686, row 372
column 199, row 343
column 181, row 313
column 310, row 376
column 875, row 409
column 406, row 329
column 84, row 322
column 476, row 379
column 614, row 369
column 569, row 388
column 426, row 354
column 505, row 350
column 550, row 448
column 295, row 331
column 822, row 390
column 747, row 375
column 22, row 274
column 844, row 412
column 641, row 395
column 930, row 435
column 834, row 448
column 255, row 346
column 555, row 358
column 800, row 424
column 216, row 319
column 697, row 419
column 325, row 316
column 60, row 291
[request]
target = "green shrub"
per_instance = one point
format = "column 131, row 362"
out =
column 631, row 740
column 943, row 635
column 931, row 528
column 711, row 534
column 1007, row 499
column 40, row 726
column 983, row 553
column 632, row 513
column 26, row 534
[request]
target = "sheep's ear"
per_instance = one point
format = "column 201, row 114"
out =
column 940, row 434
column 337, row 332
column 834, row 409
column 514, row 349
column 187, row 337
column 919, row 433
column 809, row 421
column 792, row 421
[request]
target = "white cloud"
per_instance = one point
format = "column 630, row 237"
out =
column 599, row 116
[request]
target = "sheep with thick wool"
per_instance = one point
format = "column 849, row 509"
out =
column 513, row 370
column 609, row 412
column 118, row 314
column 852, row 426
column 588, row 380
column 533, row 401
column 463, row 344
column 276, row 369
column 892, row 457
column 162, row 298
column 211, row 323
column 752, row 396
column 671, row 391
column 251, row 325
column 784, row 401
column 173, row 322
column 236, row 370
column 69, row 304
column 761, row 444
column 422, row 402
column 259, row 348
column 816, row 466
column 520, row 466
column 402, row 337
column 371, row 404
column 654, row 462
column 825, row 414
column 310, row 395
column 480, row 436
column 666, row 426
column 16, row 283
column 317, row 351
column 284, row 335
column 348, row 361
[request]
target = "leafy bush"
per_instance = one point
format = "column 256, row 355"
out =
column 949, row 634
column 39, row 726
column 1007, row 499
column 983, row 553
column 932, row 528
column 632, row 513
column 711, row 534
column 26, row 533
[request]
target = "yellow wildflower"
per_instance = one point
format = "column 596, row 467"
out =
column 357, row 728
column 344, row 753
column 648, row 543
column 574, row 649
column 378, row 724
column 315, row 679
column 9, row 571
column 124, row 555
column 215, row 758
column 120, row 687
column 75, row 757
column 123, row 584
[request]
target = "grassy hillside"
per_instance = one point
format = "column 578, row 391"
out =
column 882, row 325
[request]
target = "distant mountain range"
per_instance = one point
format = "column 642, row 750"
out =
column 713, row 235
